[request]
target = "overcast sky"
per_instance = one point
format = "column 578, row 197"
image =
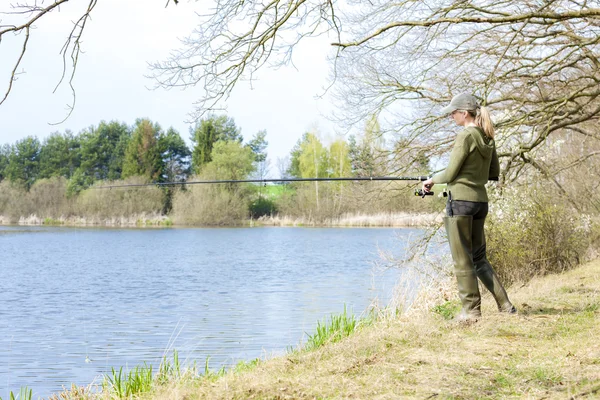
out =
column 121, row 38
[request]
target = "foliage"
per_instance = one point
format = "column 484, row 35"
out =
column 120, row 202
column 59, row 155
column 529, row 235
column 4, row 157
column 23, row 162
column 447, row 310
column 47, row 198
column 175, row 157
column 262, row 206
column 124, row 386
column 337, row 328
column 229, row 161
column 258, row 144
column 143, row 155
column 103, row 150
column 24, row 394
column 206, row 133
column 365, row 151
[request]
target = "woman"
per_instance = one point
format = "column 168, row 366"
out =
column 473, row 161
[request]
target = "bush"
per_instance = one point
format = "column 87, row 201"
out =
column 46, row 198
column 262, row 206
column 533, row 232
column 216, row 204
column 118, row 202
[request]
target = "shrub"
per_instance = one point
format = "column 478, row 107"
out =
column 117, row 202
column 533, row 232
column 262, row 206
column 216, row 204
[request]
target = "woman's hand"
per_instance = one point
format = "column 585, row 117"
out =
column 427, row 185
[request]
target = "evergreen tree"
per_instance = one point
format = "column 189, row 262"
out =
column 103, row 150
column 4, row 155
column 60, row 155
column 258, row 144
column 23, row 161
column 143, row 154
column 294, row 167
column 175, row 156
column 209, row 131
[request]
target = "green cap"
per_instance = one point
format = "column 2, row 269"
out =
column 463, row 101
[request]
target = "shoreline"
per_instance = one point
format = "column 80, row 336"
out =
column 357, row 220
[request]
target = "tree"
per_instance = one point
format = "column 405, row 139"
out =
column 536, row 64
column 258, row 144
column 23, row 162
column 4, row 157
column 313, row 161
column 175, row 156
column 22, row 17
column 103, row 150
column 206, row 133
column 60, row 155
column 230, row 161
column 143, row 155
column 367, row 151
column 339, row 160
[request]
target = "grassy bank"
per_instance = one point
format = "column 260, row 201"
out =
column 549, row 350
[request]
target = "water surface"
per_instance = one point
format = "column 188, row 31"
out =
column 119, row 297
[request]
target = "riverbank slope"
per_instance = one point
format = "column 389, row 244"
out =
column 549, row 350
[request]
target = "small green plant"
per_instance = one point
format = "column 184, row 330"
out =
column 24, row 394
column 210, row 374
column 123, row 385
column 447, row 310
column 168, row 369
column 246, row 365
column 339, row 326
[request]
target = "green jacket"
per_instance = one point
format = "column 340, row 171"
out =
column 473, row 161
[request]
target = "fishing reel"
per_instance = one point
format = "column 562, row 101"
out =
column 422, row 194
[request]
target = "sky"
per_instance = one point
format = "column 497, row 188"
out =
column 119, row 42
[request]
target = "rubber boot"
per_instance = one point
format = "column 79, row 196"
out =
column 459, row 233
column 485, row 272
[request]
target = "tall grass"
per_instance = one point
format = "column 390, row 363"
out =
column 24, row 394
column 332, row 330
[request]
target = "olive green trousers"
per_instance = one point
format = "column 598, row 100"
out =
column 466, row 237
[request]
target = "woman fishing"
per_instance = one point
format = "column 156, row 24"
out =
column 473, row 161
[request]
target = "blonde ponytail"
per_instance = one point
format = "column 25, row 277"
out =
column 484, row 121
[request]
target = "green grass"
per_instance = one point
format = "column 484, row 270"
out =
column 338, row 327
column 24, row 394
column 447, row 310
column 274, row 191
column 124, row 385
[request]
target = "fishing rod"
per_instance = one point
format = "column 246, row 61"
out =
column 279, row 180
